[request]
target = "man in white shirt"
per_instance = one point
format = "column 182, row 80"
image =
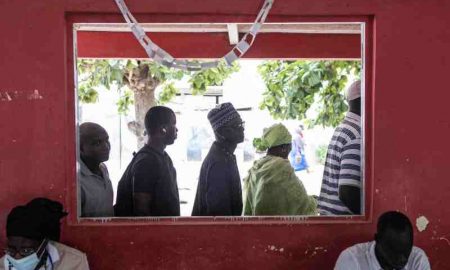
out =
column 392, row 249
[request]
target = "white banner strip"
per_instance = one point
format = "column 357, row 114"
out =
column 164, row 58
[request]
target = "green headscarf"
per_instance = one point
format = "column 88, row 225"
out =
column 273, row 136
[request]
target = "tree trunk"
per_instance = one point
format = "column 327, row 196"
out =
column 143, row 86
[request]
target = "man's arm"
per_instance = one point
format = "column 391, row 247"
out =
column 351, row 197
column 142, row 202
column 350, row 176
column 145, row 174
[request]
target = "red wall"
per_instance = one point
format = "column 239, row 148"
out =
column 216, row 45
column 407, row 134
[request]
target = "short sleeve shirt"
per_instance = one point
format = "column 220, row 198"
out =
column 151, row 172
column 96, row 192
column 342, row 165
column 362, row 257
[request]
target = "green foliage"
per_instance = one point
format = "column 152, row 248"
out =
column 211, row 77
column 93, row 73
column 199, row 81
column 123, row 104
column 259, row 145
column 293, row 86
column 321, row 153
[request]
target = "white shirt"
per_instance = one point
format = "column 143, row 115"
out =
column 362, row 257
column 62, row 257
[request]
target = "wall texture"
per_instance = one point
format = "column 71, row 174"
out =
column 407, row 134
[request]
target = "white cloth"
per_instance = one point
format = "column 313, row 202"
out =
column 362, row 257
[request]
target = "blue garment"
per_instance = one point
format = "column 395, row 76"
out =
column 219, row 191
column 298, row 149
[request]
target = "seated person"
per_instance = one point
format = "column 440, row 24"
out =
column 32, row 232
column 392, row 249
column 271, row 187
column 96, row 192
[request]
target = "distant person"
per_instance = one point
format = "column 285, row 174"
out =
column 33, row 232
column 341, row 183
column 392, row 249
column 149, row 186
column 219, row 191
column 271, row 187
column 96, row 192
column 297, row 155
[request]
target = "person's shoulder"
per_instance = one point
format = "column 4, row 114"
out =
column 2, row 265
column 145, row 155
column 70, row 258
column 357, row 247
column 281, row 163
column 419, row 259
column 350, row 257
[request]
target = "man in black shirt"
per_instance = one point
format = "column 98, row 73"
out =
column 149, row 185
column 219, row 191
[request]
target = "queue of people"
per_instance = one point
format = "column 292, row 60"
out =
column 148, row 186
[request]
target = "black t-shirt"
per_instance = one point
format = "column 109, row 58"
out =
column 151, row 172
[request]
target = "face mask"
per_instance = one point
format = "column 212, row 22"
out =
column 27, row 263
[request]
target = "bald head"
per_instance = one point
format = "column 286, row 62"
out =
column 94, row 143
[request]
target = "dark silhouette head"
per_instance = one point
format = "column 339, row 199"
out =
column 394, row 240
column 353, row 96
column 28, row 226
column 281, row 151
column 160, row 124
column 227, row 124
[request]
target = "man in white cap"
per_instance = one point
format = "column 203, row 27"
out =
column 341, row 184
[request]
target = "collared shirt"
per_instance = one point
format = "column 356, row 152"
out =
column 219, row 191
column 61, row 256
column 96, row 192
column 342, row 166
column 362, row 257
column 151, row 171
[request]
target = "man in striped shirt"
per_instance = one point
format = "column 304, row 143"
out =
column 341, row 183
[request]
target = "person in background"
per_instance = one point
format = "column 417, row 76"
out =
column 149, row 186
column 271, row 187
column 33, row 232
column 297, row 155
column 341, row 183
column 219, row 191
column 392, row 249
column 96, row 192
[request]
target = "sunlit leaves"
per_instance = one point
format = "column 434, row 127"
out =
column 292, row 87
column 93, row 73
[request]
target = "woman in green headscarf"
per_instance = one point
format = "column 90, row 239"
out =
column 271, row 187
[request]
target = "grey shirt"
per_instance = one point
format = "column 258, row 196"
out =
column 96, row 192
